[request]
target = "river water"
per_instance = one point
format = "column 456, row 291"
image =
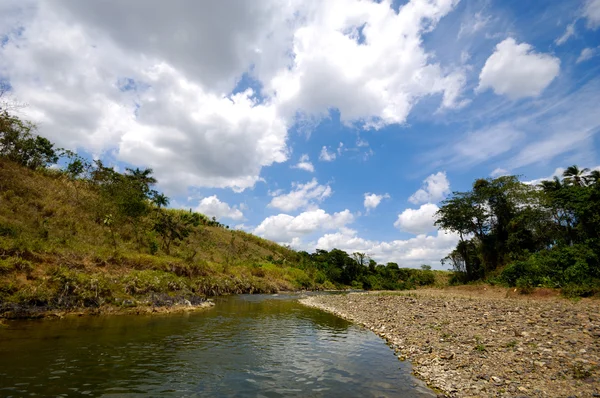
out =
column 245, row 346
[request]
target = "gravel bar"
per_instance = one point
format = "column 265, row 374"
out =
column 481, row 346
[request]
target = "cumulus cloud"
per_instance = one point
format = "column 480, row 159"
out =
column 284, row 228
column 413, row 252
column 326, row 156
column 366, row 60
column 152, row 84
column 515, row 70
column 373, row 200
column 591, row 11
column 303, row 195
column 213, row 207
column 106, row 90
column 305, row 164
column 435, row 188
column 417, row 221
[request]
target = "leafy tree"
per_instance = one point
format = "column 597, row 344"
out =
column 19, row 144
column 174, row 226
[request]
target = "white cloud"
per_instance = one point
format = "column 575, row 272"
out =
column 557, row 173
column 412, row 252
column 435, row 188
column 587, row 53
column 150, row 84
column 473, row 25
column 569, row 31
column 305, row 164
column 515, row 70
column 303, row 195
column 498, row 172
column 373, row 200
column 365, row 60
column 284, row 228
column 108, row 91
column 326, row 156
column 417, row 221
column 562, row 125
column 213, row 207
column 591, row 12
column 361, row 143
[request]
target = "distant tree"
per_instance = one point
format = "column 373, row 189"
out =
column 575, row 175
column 372, row 266
column 595, row 177
column 160, row 200
column 360, row 258
column 19, row 144
column 175, row 225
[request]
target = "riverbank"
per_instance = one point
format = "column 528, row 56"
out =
column 480, row 344
column 129, row 309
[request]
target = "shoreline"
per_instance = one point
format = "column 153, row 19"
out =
column 106, row 310
column 480, row 346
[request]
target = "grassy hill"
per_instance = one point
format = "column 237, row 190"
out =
column 63, row 245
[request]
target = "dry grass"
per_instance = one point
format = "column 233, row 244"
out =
column 51, row 229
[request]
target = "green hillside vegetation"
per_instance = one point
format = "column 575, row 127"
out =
column 86, row 236
column 528, row 235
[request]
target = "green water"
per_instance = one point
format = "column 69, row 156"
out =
column 245, row 346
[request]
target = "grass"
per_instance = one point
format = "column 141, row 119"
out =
column 56, row 251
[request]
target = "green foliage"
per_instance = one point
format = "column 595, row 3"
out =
column 19, row 144
column 536, row 236
column 85, row 235
column 175, row 226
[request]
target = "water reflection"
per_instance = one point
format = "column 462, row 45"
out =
column 255, row 346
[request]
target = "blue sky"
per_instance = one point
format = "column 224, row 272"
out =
column 315, row 124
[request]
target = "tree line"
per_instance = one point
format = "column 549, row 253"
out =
column 528, row 235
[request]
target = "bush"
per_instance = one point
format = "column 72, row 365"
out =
column 150, row 281
column 14, row 264
column 568, row 267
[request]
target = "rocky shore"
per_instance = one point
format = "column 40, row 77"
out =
column 472, row 345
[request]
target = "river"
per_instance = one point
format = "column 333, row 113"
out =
column 245, row 346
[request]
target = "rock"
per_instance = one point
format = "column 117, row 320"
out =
column 536, row 362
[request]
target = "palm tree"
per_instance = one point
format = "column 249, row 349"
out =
column 551, row 185
column 160, row 200
column 595, row 177
column 574, row 174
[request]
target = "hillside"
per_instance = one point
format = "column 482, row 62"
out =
column 63, row 245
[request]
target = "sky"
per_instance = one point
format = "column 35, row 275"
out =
column 318, row 124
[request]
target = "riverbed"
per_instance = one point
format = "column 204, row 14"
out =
column 247, row 345
column 482, row 343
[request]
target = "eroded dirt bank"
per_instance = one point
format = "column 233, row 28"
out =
column 482, row 346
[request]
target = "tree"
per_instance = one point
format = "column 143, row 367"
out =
column 486, row 218
column 160, row 200
column 19, row 144
column 360, row 258
column 175, row 225
column 575, row 175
